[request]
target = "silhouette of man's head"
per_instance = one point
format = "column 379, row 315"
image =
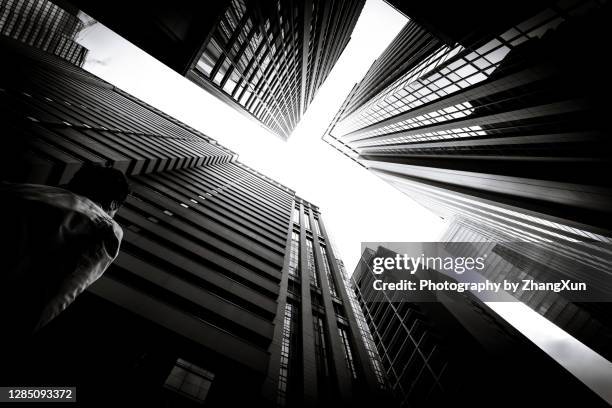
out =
column 104, row 186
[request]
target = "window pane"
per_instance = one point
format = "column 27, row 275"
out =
column 190, row 380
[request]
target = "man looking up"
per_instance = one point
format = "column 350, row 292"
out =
column 58, row 241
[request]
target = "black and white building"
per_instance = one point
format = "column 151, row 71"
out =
column 44, row 25
column 491, row 115
column 227, row 289
column 440, row 349
column 265, row 58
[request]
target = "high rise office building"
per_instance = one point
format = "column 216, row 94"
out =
column 449, row 348
column 265, row 58
column 504, row 119
column 226, row 289
column 42, row 24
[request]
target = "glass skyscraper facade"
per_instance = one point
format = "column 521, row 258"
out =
column 509, row 117
column 444, row 349
column 270, row 58
column 42, row 24
column 265, row 58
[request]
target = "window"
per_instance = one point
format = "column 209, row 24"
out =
column 365, row 333
column 316, row 300
column 339, row 310
column 317, row 226
column 287, row 356
column 312, row 269
column 307, row 220
column 330, row 279
column 225, row 66
column 295, row 288
column 209, row 57
column 321, row 346
column 189, row 380
column 296, row 215
column 348, row 352
column 231, row 81
column 322, row 357
column 294, row 255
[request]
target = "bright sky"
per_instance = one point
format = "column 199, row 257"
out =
column 356, row 205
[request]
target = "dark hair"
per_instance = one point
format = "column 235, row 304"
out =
column 105, row 186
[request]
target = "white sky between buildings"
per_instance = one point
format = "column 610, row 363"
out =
column 356, row 205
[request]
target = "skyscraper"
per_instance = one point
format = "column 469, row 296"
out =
column 443, row 349
column 504, row 118
column 43, row 25
column 265, row 58
column 226, row 289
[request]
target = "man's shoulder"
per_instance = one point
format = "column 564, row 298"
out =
column 80, row 215
column 50, row 195
column 29, row 189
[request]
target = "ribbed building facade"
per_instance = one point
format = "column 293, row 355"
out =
column 42, row 24
column 444, row 349
column 226, row 290
column 265, row 58
column 505, row 118
column 60, row 116
column 271, row 59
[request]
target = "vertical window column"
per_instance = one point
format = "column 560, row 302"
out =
column 296, row 215
column 330, row 278
column 312, row 269
column 321, row 354
column 348, row 352
column 318, row 226
column 294, row 255
column 288, row 353
column 307, row 220
column 366, row 334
